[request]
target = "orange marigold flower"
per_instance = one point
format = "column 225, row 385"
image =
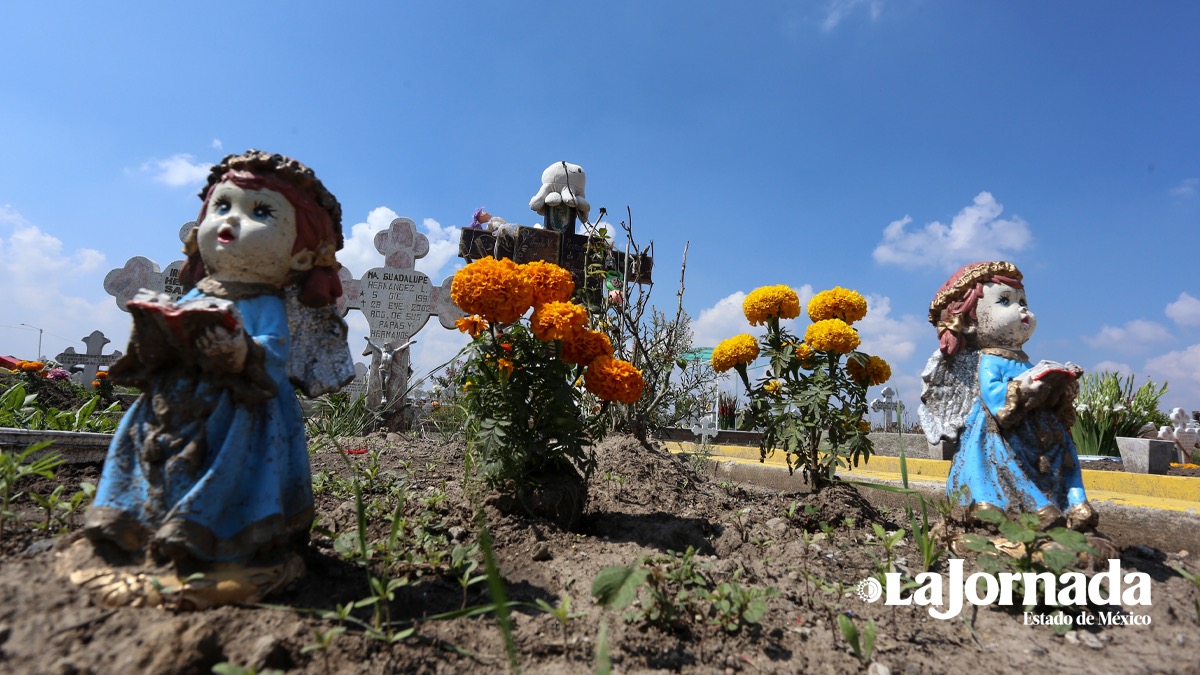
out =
column 30, row 366
column 557, row 321
column 832, row 335
column 585, row 346
column 100, row 375
column 551, row 283
column 874, row 372
column 96, row 383
column 770, row 302
column 497, row 290
column 614, row 380
column 737, row 350
column 472, row 325
column 837, row 303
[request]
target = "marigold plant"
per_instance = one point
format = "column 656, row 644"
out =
column 736, row 352
column 811, row 402
column 497, row 290
column 526, row 421
column 558, row 320
column 837, row 303
column 585, row 346
column 771, row 302
column 614, row 380
column 832, row 335
column 551, row 283
column 871, row 371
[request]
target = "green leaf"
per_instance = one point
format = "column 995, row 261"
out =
column 1016, row 532
column 1076, row 541
column 616, row 587
column 989, row 516
column 1058, row 559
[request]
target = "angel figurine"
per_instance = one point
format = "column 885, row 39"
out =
column 1010, row 418
column 206, row 490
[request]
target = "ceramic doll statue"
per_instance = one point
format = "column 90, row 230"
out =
column 1011, row 419
column 207, row 486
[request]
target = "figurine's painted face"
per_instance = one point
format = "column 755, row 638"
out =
column 1003, row 318
column 248, row 235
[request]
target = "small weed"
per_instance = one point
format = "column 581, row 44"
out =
column 863, row 644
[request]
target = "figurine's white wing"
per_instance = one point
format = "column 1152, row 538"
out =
column 949, row 388
column 319, row 359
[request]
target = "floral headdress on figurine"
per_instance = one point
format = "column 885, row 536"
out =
column 318, row 219
column 951, row 376
column 953, row 306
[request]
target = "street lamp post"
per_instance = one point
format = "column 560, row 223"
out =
column 40, row 331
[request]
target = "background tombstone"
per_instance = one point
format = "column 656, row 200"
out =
column 397, row 301
column 139, row 272
column 91, row 360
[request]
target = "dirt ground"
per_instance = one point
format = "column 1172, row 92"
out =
column 642, row 503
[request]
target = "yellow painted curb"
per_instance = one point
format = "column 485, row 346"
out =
column 1171, row 493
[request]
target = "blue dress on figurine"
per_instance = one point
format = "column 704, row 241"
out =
column 1013, row 458
column 225, row 476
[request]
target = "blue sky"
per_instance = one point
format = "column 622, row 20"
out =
column 871, row 144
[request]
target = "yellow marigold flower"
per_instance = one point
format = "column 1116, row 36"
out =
column 803, row 351
column 614, row 380
column 864, row 426
column 551, row 283
column 737, row 350
column 772, row 387
column 472, row 325
column 585, row 346
column 832, row 335
column 505, row 365
column 770, row 302
column 557, row 321
column 497, row 290
column 837, row 303
column 875, row 372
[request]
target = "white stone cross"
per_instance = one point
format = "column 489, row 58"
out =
column 397, row 301
column 139, row 273
column 92, row 359
column 705, row 428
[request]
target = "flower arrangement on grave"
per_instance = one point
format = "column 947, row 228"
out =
column 518, row 382
column 811, row 403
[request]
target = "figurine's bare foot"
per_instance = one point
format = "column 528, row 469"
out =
column 140, row 586
column 1082, row 517
column 238, row 583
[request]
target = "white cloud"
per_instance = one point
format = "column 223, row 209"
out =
column 1133, row 336
column 47, row 287
column 359, row 254
column 443, row 249
column 976, row 233
column 1181, row 371
column 1185, row 311
column 837, row 11
column 893, row 339
column 178, row 170
column 1189, row 187
column 217, row 144
column 721, row 321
